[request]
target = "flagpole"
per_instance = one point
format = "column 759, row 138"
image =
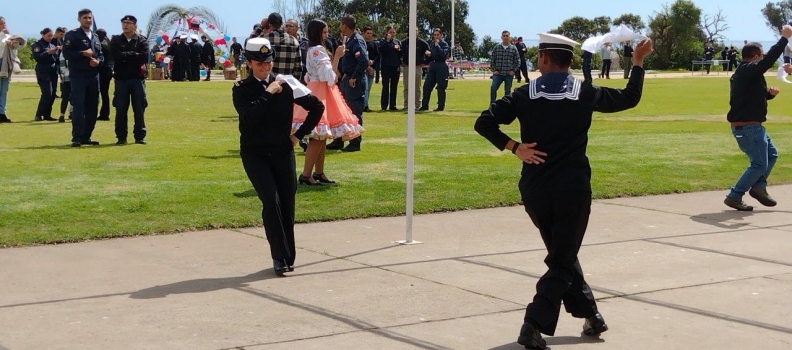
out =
column 453, row 23
column 411, row 83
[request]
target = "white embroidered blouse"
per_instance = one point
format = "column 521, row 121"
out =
column 319, row 66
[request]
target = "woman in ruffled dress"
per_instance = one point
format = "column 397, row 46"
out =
column 338, row 121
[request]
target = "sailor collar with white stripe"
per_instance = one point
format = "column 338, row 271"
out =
column 555, row 86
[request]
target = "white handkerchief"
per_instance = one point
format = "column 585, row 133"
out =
column 299, row 89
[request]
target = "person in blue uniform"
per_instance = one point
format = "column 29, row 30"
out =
column 353, row 67
column 83, row 53
column 437, row 75
column 130, row 53
column 555, row 112
column 265, row 106
column 46, row 55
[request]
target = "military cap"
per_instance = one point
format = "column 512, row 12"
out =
column 129, row 18
column 259, row 49
column 549, row 41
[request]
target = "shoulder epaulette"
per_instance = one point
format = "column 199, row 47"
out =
column 242, row 82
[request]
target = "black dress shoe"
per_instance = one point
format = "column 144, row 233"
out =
column 438, row 109
column 37, row 119
column 49, row 119
column 762, row 196
column 140, row 142
column 90, row 142
column 531, row 338
column 61, row 119
column 322, row 178
column 351, row 148
column 307, row 180
column 393, row 109
column 121, row 142
column 280, row 266
column 76, row 144
column 594, row 325
column 739, row 205
column 367, row 110
column 423, row 109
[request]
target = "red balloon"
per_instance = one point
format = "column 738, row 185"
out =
column 227, row 64
column 165, row 37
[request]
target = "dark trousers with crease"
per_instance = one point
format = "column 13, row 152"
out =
column 273, row 175
column 437, row 75
column 127, row 90
column 47, row 79
column 85, row 100
column 105, row 76
column 390, row 82
column 65, row 96
column 562, row 219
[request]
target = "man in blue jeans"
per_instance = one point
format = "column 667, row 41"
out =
column 748, row 100
column 130, row 52
column 505, row 61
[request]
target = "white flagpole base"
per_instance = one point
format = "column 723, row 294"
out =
column 404, row 242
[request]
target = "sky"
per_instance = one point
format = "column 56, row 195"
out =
column 521, row 17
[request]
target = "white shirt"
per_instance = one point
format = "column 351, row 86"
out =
column 89, row 34
column 319, row 67
column 3, row 38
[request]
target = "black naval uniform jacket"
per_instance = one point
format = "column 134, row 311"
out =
column 265, row 120
column 555, row 112
column 749, row 95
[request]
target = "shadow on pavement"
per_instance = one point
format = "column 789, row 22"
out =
column 202, row 285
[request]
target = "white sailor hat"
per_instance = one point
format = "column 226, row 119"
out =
column 548, row 41
column 183, row 36
column 259, row 49
column 194, row 37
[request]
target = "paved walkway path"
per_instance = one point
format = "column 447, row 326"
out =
column 670, row 272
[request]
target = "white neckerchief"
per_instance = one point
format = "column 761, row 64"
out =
column 89, row 34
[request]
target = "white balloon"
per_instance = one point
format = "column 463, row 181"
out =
column 222, row 60
column 166, row 60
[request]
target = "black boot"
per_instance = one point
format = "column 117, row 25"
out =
column 354, row 145
column 594, row 326
column 336, row 144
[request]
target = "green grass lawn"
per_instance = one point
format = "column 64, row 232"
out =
column 190, row 175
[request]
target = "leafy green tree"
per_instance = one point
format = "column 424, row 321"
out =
column 577, row 28
column 380, row 14
column 26, row 55
column 777, row 15
column 676, row 34
column 602, row 24
column 485, row 49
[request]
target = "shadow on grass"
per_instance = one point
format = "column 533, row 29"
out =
column 67, row 146
column 232, row 153
column 202, row 285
